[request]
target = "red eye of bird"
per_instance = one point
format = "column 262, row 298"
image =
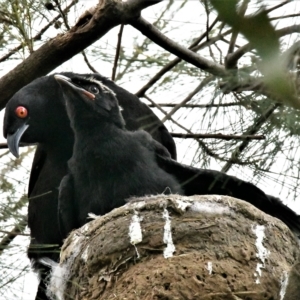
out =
column 21, row 112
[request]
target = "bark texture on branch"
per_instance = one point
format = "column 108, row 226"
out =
column 176, row 247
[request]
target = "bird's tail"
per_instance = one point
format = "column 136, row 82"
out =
column 285, row 214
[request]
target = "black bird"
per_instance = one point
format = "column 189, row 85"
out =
column 36, row 114
column 109, row 163
column 104, row 176
column 49, row 127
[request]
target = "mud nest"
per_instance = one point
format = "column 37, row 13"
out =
column 176, row 247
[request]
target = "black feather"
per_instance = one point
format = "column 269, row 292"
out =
column 49, row 126
column 109, row 163
column 104, row 176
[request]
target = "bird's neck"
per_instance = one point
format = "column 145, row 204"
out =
column 59, row 144
column 99, row 134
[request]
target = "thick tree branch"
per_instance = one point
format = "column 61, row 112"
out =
column 191, row 57
column 109, row 13
column 194, row 47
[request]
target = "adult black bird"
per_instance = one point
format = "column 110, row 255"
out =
column 104, row 176
column 36, row 114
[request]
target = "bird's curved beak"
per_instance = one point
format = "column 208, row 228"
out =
column 66, row 83
column 13, row 140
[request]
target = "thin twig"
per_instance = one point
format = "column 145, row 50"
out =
column 204, row 105
column 38, row 36
column 233, row 58
column 284, row 17
column 10, row 236
column 177, row 60
column 114, row 70
column 165, row 113
column 201, row 144
column 278, row 6
column 241, row 11
column 203, row 83
column 252, row 130
column 219, row 136
column 88, row 63
column 62, row 14
column 5, row 146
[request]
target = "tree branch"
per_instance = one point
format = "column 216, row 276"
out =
column 191, row 57
column 252, row 130
column 114, row 70
column 203, row 105
column 40, row 33
column 233, row 58
column 219, row 136
column 203, row 83
column 4, row 243
column 177, row 60
column 88, row 63
column 201, row 144
column 109, row 13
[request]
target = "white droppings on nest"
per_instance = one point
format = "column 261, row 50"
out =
column 85, row 254
column 262, row 252
column 138, row 204
column 210, row 208
column 85, row 228
column 209, row 267
column 182, row 205
column 170, row 249
column 61, row 272
column 283, row 284
column 135, row 231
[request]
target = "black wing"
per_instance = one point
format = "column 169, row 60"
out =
column 37, row 165
column 67, row 217
column 138, row 115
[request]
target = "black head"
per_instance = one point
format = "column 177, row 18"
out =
column 89, row 100
column 36, row 114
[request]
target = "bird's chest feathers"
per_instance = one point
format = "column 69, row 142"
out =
column 102, row 159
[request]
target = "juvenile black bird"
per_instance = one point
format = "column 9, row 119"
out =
column 36, row 114
column 105, row 174
column 109, row 163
